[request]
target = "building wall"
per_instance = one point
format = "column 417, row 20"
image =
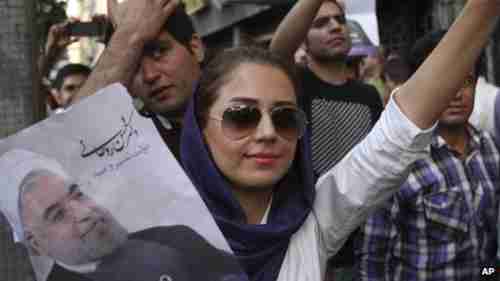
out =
column 16, row 110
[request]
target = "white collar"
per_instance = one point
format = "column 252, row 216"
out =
column 83, row 269
column 165, row 122
column 268, row 209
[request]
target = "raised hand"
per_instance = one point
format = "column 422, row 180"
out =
column 141, row 18
column 102, row 20
column 59, row 38
column 115, row 12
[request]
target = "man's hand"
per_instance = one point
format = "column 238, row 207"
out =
column 59, row 38
column 102, row 20
column 142, row 19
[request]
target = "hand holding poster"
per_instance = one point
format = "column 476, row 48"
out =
column 95, row 195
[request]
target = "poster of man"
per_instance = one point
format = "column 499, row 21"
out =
column 112, row 211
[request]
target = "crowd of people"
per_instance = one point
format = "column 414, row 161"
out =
column 311, row 172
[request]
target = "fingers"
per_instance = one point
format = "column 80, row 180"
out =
column 53, row 30
column 100, row 18
column 65, row 25
column 112, row 5
column 73, row 40
column 170, row 6
column 112, row 11
column 72, row 20
column 60, row 29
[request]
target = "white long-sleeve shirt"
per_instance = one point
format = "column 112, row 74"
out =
column 483, row 115
column 366, row 177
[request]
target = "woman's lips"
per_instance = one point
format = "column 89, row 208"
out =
column 455, row 109
column 265, row 159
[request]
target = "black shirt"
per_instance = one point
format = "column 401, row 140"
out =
column 184, row 255
column 340, row 117
column 171, row 136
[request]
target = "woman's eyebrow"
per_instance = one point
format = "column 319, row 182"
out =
column 253, row 101
column 284, row 103
column 244, row 99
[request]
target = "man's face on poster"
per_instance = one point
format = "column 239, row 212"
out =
column 65, row 224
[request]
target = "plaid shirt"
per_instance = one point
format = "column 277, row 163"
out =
column 442, row 224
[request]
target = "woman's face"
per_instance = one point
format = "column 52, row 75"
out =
column 260, row 159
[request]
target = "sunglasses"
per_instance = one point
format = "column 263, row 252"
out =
column 323, row 21
column 240, row 121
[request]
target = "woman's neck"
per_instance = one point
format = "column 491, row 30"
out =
column 254, row 203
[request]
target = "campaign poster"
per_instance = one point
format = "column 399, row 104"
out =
column 95, row 192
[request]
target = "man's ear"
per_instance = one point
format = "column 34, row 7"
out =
column 197, row 47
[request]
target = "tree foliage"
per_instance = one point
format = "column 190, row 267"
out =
column 49, row 12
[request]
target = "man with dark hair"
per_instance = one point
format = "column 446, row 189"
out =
column 68, row 81
column 338, row 106
column 441, row 224
column 70, row 78
column 156, row 53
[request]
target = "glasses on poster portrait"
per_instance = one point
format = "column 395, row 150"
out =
column 240, row 121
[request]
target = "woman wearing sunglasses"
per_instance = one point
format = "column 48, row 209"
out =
column 245, row 147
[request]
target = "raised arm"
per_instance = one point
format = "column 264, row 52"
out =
column 375, row 168
column 58, row 40
column 137, row 22
column 292, row 31
column 428, row 92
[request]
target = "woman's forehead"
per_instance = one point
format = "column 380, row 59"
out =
column 256, row 83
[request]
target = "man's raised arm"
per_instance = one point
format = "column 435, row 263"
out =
column 436, row 82
column 292, row 31
column 137, row 22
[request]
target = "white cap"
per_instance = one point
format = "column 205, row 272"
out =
column 15, row 165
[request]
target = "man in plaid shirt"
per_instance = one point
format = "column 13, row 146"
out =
column 442, row 224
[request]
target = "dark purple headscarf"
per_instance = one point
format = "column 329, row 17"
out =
column 260, row 248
